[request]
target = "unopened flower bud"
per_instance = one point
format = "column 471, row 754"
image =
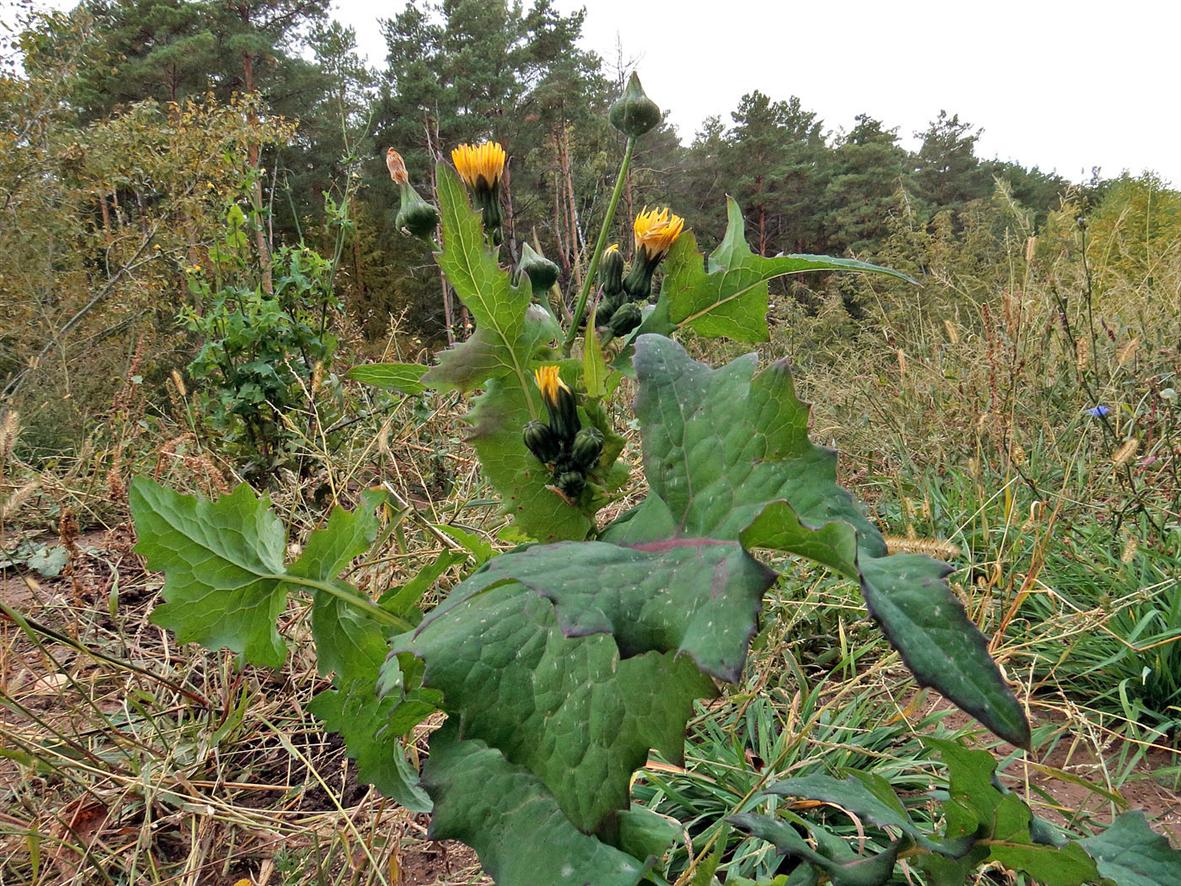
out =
column 542, row 442
column 611, row 270
column 542, row 272
column 634, row 113
column 586, row 448
column 625, row 319
column 571, row 484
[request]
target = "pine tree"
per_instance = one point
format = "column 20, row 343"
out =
column 868, row 167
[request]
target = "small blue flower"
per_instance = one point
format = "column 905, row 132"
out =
column 1098, row 411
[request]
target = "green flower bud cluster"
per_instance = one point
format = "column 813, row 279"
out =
column 616, row 312
column 569, row 450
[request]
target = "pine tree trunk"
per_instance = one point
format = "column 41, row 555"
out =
column 572, row 206
column 448, row 308
column 563, row 255
column 510, row 229
column 260, row 237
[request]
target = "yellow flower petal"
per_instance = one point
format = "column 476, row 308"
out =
column 550, row 383
column 479, row 164
column 656, row 231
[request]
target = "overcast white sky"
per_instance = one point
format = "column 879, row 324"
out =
column 1063, row 85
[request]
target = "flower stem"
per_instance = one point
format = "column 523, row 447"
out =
column 588, row 282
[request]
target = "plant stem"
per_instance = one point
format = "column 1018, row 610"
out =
column 367, row 606
column 604, row 232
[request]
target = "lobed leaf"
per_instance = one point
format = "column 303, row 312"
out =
column 728, row 295
column 1129, row 853
column 566, row 709
column 223, row 565
column 694, row 596
column 727, row 456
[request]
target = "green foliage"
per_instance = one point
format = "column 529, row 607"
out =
column 1129, row 853
column 511, row 335
column 561, row 666
column 263, row 352
column 222, row 563
column 982, row 822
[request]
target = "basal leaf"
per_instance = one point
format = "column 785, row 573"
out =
column 568, row 710
column 404, row 377
column 1130, row 853
column 851, row 795
column 510, row 336
column 512, row 821
column 223, row 565
column 365, row 722
column 728, row 295
column 1048, row 865
column 727, row 456
column 873, row 870
column 692, row 595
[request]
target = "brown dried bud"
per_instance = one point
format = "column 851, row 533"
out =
column 397, row 167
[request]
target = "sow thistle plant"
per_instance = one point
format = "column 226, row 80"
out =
column 563, row 663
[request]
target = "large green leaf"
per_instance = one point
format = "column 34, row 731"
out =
column 225, row 585
column 728, row 295
column 722, row 445
column 1129, row 853
column 512, row 821
column 1048, row 865
column 511, row 334
column 567, row 709
column 691, row 595
column 223, row 565
column 727, row 456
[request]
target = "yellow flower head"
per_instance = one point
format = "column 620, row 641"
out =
column 550, row 383
column 656, row 231
column 397, row 167
column 479, row 165
column 614, row 247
